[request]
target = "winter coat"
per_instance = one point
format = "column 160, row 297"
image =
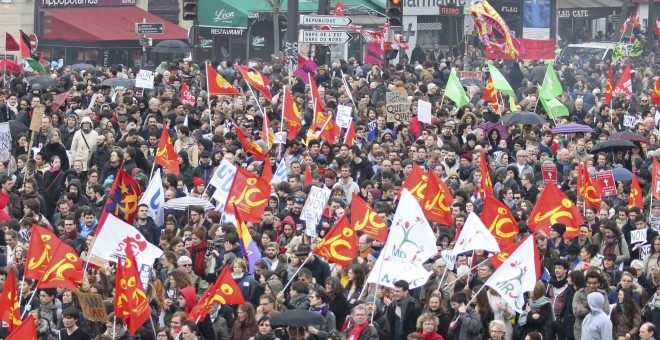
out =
column 580, row 297
column 82, row 146
column 368, row 333
column 625, row 322
column 596, row 325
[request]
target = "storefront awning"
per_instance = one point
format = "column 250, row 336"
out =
column 104, row 24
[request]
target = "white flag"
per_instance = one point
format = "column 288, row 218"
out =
column 516, row 275
column 113, row 240
column 221, row 180
column 410, row 243
column 280, row 175
column 154, row 198
column 475, row 235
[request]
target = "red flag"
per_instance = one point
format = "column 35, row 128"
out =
column 267, row 134
column 624, row 84
column 555, row 207
column 327, row 126
column 486, row 185
column 255, row 80
column 267, row 173
column 490, row 93
column 291, row 115
column 657, row 27
column 166, row 155
column 42, row 246
column 610, row 87
column 224, row 291
column 365, row 218
column 122, row 200
column 438, row 201
column 655, row 97
column 655, row 182
column 339, row 9
column 416, row 183
column 130, row 302
column 26, row 331
column 500, row 222
column 10, row 311
column 498, row 259
column 349, row 138
column 250, row 146
column 316, row 96
column 186, row 98
column 308, row 176
column 250, row 193
column 340, row 244
column 217, row 85
column 636, row 198
column 11, row 45
column 64, row 270
column 587, row 187
column 301, row 59
column 25, row 45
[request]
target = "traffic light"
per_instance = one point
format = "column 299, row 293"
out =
column 189, row 9
column 395, row 12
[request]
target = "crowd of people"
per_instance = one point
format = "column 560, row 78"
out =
column 599, row 285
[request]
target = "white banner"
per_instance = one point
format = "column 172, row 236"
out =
column 344, row 116
column 424, row 111
column 144, row 79
column 154, row 198
column 638, row 236
column 221, row 180
column 281, row 174
column 5, row 142
column 314, row 206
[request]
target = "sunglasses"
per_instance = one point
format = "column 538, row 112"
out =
column 186, row 265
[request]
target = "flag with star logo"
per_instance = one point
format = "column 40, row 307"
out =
column 122, row 200
column 166, row 155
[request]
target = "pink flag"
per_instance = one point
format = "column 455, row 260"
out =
column 374, row 54
column 307, row 67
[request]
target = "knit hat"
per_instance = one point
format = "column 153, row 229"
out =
column 467, row 157
column 275, row 286
column 198, row 181
column 109, row 180
column 471, row 137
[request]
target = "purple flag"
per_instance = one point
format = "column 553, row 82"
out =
column 307, row 67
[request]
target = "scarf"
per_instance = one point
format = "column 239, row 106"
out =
column 269, row 336
column 322, row 309
column 558, row 284
column 357, row 329
column 535, row 305
column 237, row 276
column 72, row 235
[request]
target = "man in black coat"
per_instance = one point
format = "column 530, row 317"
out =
column 403, row 312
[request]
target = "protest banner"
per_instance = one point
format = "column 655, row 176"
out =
column 629, row 121
column 638, row 236
column 144, row 79
column 397, row 106
column 469, row 74
column 313, row 209
column 606, row 181
column 93, row 307
column 5, row 142
column 424, row 113
column 549, row 172
column 343, row 116
column 221, row 180
column 374, row 54
column 533, row 50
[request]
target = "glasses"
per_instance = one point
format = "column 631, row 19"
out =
column 299, row 200
column 186, row 265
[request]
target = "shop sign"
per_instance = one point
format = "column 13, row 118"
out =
column 84, row 3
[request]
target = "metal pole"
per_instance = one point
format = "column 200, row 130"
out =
column 291, row 45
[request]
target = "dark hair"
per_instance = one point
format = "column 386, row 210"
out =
column 71, row 312
column 534, row 336
column 563, row 263
column 403, row 284
column 459, row 297
column 321, row 294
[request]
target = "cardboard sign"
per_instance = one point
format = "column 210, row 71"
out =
column 469, row 74
column 629, row 121
column 606, row 181
column 344, row 116
column 549, row 172
column 93, row 307
column 145, row 79
column 37, row 117
column 638, row 236
column 397, row 106
column 424, row 113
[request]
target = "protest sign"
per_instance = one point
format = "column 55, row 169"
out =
column 606, row 181
column 144, row 79
column 308, row 67
column 313, row 209
column 280, row 137
column 221, row 180
column 5, row 142
column 374, row 54
column 424, row 111
column 397, row 106
column 344, row 116
column 638, row 236
column 93, row 307
column 629, row 121
column 469, row 74
column 549, row 172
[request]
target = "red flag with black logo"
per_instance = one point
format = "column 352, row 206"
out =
column 340, row 244
column 11, row 45
column 438, row 201
column 555, row 207
column 500, row 222
column 130, row 301
column 250, row 194
column 25, row 43
column 366, row 219
column 166, row 155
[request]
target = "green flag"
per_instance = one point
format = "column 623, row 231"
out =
column 554, row 108
column 551, row 86
column 499, row 82
column 617, row 53
column 34, row 65
column 636, row 49
column 454, row 90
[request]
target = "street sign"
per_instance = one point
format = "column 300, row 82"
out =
column 325, row 20
column 324, row 37
column 149, row 28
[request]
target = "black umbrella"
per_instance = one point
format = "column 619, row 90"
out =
column 297, row 318
column 629, row 135
column 472, row 82
column 44, row 81
column 523, row 117
column 82, row 67
column 612, row 145
column 171, row 46
column 114, row 82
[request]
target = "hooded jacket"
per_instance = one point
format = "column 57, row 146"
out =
column 83, row 144
column 597, row 325
column 82, row 199
column 190, row 297
column 186, row 170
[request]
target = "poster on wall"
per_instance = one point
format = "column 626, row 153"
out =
column 536, row 19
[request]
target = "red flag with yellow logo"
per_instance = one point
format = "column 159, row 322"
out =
column 250, row 146
column 610, row 87
column 438, row 201
column 490, row 93
column 500, row 222
column 217, row 85
column 42, row 246
column 416, row 183
column 249, row 193
column 325, row 127
column 10, row 312
column 555, row 207
column 349, row 138
column 26, row 331
column 486, row 185
column 588, row 188
column 256, row 80
column 130, row 302
column 498, row 259
column 122, row 200
column 165, row 154
column 224, row 291
column 291, row 115
column 636, row 199
column 655, row 97
column 366, row 219
column 64, row 269
column 267, row 134
column 340, row 245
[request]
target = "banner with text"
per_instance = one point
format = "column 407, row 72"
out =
column 534, row 50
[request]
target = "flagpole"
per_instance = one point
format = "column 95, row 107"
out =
column 468, row 273
column 441, row 279
column 153, row 328
column 474, row 296
column 314, row 113
column 34, row 292
column 114, row 327
column 348, row 92
column 20, row 295
column 296, row 273
column 153, row 166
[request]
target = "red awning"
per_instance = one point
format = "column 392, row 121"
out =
column 105, row 24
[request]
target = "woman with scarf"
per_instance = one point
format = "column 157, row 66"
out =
column 435, row 307
column 538, row 312
column 502, row 312
column 111, row 167
column 337, row 302
column 265, row 331
column 318, row 303
column 626, row 316
column 427, row 325
column 53, row 184
column 611, row 240
column 198, row 250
